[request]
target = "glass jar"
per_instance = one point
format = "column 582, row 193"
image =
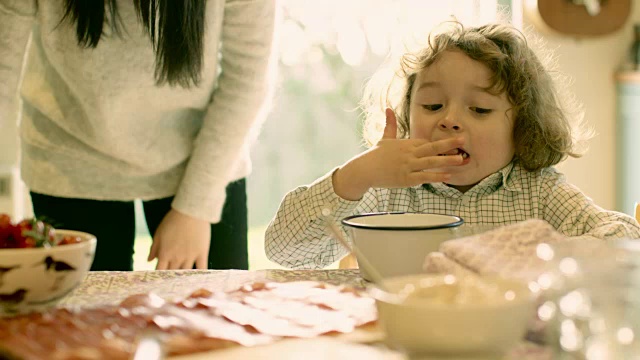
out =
column 591, row 299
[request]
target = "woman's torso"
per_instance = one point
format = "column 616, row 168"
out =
column 95, row 124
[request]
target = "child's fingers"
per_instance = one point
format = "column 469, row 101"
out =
column 439, row 147
column 433, row 162
column 391, row 125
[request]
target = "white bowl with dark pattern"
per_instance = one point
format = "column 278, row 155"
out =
column 34, row 279
column 396, row 243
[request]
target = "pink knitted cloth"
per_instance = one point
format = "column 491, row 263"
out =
column 508, row 251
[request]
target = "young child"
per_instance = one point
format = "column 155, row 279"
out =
column 474, row 133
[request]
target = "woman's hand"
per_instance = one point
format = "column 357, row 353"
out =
column 395, row 163
column 181, row 241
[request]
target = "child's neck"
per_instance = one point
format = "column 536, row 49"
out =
column 462, row 188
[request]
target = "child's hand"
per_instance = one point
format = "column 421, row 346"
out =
column 180, row 242
column 395, row 163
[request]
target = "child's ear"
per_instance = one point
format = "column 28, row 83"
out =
column 391, row 125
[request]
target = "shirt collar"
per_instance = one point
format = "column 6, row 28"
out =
column 506, row 177
column 510, row 178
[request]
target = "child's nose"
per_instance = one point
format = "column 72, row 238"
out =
column 449, row 122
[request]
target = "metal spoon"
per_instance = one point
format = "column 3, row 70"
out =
column 362, row 260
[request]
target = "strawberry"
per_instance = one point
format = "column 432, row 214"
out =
column 6, row 228
column 29, row 233
column 5, row 221
column 70, row 240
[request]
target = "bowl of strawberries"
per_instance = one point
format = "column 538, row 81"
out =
column 39, row 264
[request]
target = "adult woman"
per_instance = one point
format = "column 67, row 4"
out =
column 146, row 99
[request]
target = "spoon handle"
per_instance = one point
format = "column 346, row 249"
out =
column 362, row 260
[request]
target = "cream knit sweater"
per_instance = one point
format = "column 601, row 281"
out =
column 94, row 124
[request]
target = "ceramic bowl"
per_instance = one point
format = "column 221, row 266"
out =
column 397, row 243
column 478, row 327
column 37, row 278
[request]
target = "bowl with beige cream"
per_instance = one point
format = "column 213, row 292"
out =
column 443, row 314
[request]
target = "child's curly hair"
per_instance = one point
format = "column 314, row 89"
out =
column 543, row 133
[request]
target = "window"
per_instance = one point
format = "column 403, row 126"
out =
column 328, row 50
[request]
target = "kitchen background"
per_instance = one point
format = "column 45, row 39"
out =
column 329, row 48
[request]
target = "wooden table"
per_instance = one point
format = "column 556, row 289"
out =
column 102, row 287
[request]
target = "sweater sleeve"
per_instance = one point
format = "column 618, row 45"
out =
column 16, row 21
column 238, row 105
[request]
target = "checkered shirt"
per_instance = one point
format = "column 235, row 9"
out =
column 298, row 238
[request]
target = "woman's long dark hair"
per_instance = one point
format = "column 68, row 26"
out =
column 176, row 29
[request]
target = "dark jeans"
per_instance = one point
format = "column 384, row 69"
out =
column 113, row 223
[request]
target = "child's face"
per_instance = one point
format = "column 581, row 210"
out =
column 448, row 100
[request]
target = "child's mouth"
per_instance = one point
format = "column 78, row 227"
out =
column 457, row 151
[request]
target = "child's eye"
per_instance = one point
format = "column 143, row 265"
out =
column 480, row 110
column 434, row 107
